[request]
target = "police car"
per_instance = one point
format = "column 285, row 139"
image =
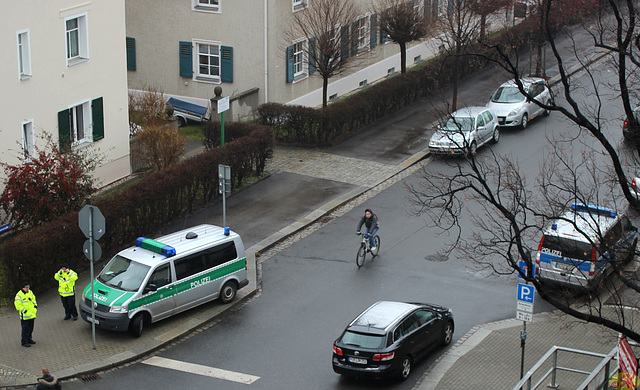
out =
column 576, row 250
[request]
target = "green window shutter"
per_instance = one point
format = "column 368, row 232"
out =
column 97, row 114
column 289, row 68
column 131, row 53
column 450, row 7
column 226, row 63
column 344, row 43
column 64, row 130
column 373, row 24
column 354, row 39
column 186, row 67
column 312, row 55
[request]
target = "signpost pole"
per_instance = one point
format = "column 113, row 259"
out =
column 93, row 309
column 222, row 127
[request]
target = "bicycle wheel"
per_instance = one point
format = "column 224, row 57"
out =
column 377, row 240
column 362, row 252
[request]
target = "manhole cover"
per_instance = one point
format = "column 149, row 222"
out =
column 438, row 258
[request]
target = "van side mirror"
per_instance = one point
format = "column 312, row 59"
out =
column 149, row 287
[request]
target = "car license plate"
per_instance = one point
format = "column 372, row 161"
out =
column 357, row 360
column 564, row 266
column 94, row 321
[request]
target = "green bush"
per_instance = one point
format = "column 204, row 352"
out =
column 140, row 209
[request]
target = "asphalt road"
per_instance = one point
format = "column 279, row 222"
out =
column 312, row 289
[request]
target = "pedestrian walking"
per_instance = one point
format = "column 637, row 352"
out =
column 48, row 381
column 26, row 305
column 67, row 289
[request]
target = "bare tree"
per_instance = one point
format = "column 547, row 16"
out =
column 458, row 26
column 513, row 211
column 322, row 39
column 401, row 21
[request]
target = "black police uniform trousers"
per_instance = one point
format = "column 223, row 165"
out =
column 69, row 304
column 27, row 330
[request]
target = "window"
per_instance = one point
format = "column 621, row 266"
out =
column 28, row 140
column 161, row 276
column 81, row 123
column 300, row 59
column 480, row 121
column 24, row 55
column 206, row 5
column 190, row 266
column 361, row 34
column 424, row 316
column 77, row 38
column 208, row 61
column 220, row 254
column 79, row 120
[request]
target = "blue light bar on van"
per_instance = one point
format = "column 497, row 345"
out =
column 594, row 210
column 155, row 246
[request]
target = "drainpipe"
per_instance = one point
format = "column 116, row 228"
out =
column 266, row 52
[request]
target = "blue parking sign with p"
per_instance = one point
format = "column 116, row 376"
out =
column 526, row 292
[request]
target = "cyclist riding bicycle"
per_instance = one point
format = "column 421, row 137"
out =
column 370, row 221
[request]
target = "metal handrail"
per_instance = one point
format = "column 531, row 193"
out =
column 553, row 352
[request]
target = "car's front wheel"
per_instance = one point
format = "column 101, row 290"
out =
column 473, row 149
column 496, row 135
column 406, row 368
column 525, row 120
column 447, row 334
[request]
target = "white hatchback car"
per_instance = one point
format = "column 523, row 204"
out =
column 464, row 131
column 515, row 109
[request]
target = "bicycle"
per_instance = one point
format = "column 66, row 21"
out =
column 365, row 248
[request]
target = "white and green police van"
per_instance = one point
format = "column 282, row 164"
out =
column 156, row 279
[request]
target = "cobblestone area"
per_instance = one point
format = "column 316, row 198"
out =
column 328, row 166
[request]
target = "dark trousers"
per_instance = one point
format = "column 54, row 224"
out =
column 69, row 304
column 27, row 330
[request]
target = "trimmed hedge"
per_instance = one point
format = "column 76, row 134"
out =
column 141, row 209
column 307, row 126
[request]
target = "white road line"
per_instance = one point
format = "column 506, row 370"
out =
column 201, row 370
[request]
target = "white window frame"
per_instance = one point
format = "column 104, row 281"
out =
column 28, row 140
column 23, row 41
column 297, row 5
column 300, row 59
column 84, row 109
column 363, row 34
column 196, row 61
column 212, row 6
column 81, row 33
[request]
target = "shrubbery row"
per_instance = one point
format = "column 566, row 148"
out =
column 141, row 209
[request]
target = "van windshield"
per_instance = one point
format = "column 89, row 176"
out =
column 573, row 249
column 123, row 274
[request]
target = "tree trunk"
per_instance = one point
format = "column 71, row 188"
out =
column 403, row 57
column 325, row 87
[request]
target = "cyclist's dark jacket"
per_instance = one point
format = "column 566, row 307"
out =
column 370, row 223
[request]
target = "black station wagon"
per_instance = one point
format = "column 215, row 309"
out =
column 387, row 338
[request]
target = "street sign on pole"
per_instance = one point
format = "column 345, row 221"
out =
column 223, row 104
column 524, row 304
column 92, row 223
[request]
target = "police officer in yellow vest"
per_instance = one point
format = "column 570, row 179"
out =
column 26, row 305
column 67, row 288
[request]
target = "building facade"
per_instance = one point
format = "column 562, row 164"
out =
column 64, row 74
column 186, row 48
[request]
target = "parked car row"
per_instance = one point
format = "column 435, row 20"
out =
column 471, row 127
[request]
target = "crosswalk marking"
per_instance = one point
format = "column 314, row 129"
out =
column 201, row 370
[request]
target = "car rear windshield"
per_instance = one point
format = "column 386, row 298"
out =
column 363, row 340
column 572, row 249
column 508, row 95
